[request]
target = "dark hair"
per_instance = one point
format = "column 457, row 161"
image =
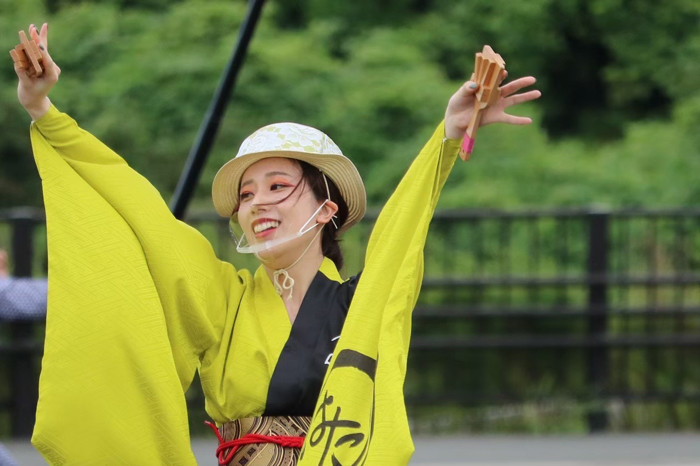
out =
column 330, row 244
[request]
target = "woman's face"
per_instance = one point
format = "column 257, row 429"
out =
column 270, row 207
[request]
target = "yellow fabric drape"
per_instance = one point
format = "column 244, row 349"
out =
column 135, row 298
column 360, row 415
column 138, row 302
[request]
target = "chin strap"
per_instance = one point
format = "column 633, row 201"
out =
column 287, row 280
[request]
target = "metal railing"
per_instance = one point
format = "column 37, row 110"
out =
column 591, row 306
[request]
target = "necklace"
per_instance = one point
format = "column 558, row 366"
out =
column 287, row 281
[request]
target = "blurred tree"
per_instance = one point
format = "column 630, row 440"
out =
column 617, row 124
column 376, row 76
column 599, row 63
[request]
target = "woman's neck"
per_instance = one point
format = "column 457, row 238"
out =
column 303, row 273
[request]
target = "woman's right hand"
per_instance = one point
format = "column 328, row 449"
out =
column 33, row 92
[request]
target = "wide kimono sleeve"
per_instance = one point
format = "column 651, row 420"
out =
column 395, row 250
column 136, row 299
column 363, row 389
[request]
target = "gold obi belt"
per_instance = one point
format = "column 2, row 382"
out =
column 261, row 441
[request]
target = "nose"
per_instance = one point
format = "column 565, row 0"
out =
column 257, row 208
column 262, row 200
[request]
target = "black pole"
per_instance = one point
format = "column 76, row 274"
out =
column 598, row 365
column 212, row 120
column 23, row 383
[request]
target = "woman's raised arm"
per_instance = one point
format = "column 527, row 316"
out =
column 137, row 299
column 378, row 326
column 33, row 92
column 401, row 229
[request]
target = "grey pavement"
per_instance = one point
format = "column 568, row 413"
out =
column 603, row 450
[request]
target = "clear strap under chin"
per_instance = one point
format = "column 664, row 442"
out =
column 287, row 280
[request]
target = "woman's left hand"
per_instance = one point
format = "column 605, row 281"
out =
column 461, row 106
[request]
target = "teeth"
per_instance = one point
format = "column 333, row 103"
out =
column 265, row 225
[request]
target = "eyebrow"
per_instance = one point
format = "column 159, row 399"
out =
column 267, row 175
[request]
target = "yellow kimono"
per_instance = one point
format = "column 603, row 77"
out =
column 138, row 302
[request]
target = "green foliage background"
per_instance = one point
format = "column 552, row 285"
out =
column 616, row 124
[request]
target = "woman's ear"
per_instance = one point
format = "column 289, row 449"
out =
column 327, row 212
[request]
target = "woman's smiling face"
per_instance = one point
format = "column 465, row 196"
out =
column 275, row 202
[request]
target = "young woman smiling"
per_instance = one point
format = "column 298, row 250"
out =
column 290, row 356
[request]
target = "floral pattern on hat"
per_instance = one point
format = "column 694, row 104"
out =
column 288, row 137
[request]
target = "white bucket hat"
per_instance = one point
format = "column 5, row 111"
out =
column 293, row 141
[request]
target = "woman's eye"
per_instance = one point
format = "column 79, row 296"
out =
column 244, row 196
column 277, row 186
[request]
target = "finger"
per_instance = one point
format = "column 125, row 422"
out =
column 469, row 87
column 39, row 36
column 520, row 98
column 44, row 35
column 50, row 68
column 34, row 34
column 515, row 120
column 22, row 74
column 515, row 86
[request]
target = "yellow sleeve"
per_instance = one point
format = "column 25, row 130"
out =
column 395, row 248
column 395, row 252
column 364, row 383
column 136, row 298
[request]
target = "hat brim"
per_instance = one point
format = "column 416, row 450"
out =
column 337, row 167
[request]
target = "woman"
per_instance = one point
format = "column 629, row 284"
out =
column 138, row 300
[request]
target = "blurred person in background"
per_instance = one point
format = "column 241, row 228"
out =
column 4, row 266
column 5, row 458
column 20, row 298
column 286, row 356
